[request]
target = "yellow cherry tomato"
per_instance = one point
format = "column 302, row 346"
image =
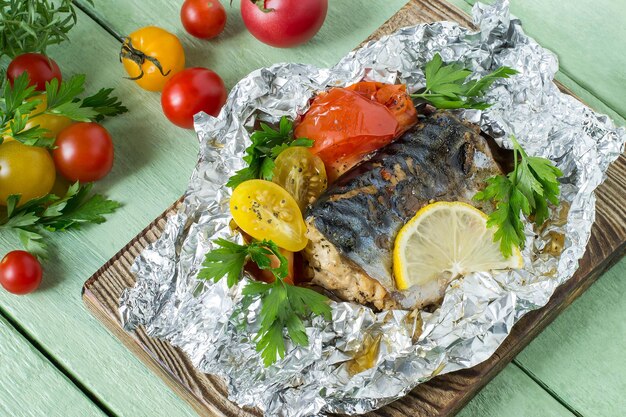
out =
column 265, row 210
column 151, row 56
column 53, row 123
column 301, row 173
column 25, row 170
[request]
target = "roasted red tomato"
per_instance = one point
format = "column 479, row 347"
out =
column 283, row 23
column 266, row 275
column 20, row 272
column 40, row 69
column 191, row 91
column 349, row 123
column 204, row 19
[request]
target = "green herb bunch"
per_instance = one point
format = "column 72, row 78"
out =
column 448, row 85
column 18, row 101
column 51, row 213
column 34, row 25
column 267, row 144
column 528, row 189
column 283, row 306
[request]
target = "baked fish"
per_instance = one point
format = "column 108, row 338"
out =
column 353, row 225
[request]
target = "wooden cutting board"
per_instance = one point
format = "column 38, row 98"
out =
column 442, row 396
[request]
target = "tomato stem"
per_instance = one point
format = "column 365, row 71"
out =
column 139, row 58
column 262, row 6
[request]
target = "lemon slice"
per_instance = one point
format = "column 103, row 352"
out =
column 447, row 239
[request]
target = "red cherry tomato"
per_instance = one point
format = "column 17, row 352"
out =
column 84, row 152
column 284, row 23
column 204, row 19
column 192, row 91
column 20, row 272
column 39, row 67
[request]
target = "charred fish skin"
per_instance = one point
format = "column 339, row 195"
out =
column 441, row 159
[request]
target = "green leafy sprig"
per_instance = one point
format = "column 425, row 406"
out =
column 34, row 25
column 528, row 189
column 283, row 306
column 448, row 86
column 267, row 144
column 19, row 101
column 52, row 213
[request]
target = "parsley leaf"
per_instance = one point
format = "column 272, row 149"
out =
column 230, row 258
column 103, row 104
column 283, row 306
column 267, row 144
column 53, row 213
column 20, row 101
column 448, row 87
column 526, row 190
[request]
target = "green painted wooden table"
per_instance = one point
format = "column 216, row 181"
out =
column 57, row 360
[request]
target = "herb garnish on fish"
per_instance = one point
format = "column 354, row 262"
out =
column 447, row 86
column 283, row 305
column 527, row 189
column 267, row 144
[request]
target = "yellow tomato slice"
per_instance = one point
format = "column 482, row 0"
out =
column 265, row 210
column 301, row 173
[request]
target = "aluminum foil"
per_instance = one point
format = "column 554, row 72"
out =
column 408, row 348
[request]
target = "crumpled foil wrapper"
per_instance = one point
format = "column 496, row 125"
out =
column 478, row 310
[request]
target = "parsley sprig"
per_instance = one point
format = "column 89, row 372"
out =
column 528, row 189
column 267, row 144
column 283, row 306
column 52, row 213
column 20, row 100
column 448, row 87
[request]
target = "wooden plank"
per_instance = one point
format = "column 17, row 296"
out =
column 235, row 53
column 513, row 393
column 581, row 355
column 154, row 160
column 587, row 37
column 444, row 395
column 31, row 386
column 151, row 154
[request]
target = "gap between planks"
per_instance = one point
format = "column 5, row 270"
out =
column 72, row 379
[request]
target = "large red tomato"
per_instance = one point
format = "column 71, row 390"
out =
column 192, row 91
column 204, row 19
column 39, row 67
column 20, row 272
column 84, row 152
column 349, row 123
column 284, row 23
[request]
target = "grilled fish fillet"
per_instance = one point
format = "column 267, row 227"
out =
column 353, row 225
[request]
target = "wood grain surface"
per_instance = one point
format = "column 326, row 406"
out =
column 25, row 372
column 443, row 395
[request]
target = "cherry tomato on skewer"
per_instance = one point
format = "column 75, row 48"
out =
column 151, row 56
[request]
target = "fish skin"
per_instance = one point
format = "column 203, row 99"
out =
column 440, row 159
